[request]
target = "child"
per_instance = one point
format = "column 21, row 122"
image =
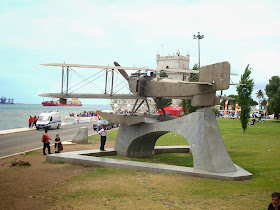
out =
column 57, row 145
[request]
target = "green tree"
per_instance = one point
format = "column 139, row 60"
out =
column 272, row 90
column 184, row 106
column 190, row 108
column 244, row 93
column 215, row 110
column 162, row 102
column 252, row 102
column 264, row 102
column 186, row 103
column 260, row 95
column 194, row 76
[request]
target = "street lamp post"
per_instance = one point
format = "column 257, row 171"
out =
column 198, row 36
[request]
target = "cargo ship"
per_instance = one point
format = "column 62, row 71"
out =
column 72, row 102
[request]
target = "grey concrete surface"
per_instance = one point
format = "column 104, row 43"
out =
column 21, row 140
column 93, row 157
column 82, row 136
column 200, row 129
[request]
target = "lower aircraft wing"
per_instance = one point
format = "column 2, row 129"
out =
column 198, row 83
column 227, row 98
column 89, row 95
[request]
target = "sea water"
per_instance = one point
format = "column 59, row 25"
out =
column 17, row 115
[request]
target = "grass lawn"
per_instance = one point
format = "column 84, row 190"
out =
column 256, row 150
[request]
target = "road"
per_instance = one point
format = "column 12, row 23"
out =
column 28, row 140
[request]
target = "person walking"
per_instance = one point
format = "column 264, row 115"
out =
column 35, row 119
column 46, row 142
column 30, row 120
column 103, row 134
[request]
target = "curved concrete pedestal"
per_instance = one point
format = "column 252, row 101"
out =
column 82, row 136
column 210, row 156
column 200, row 130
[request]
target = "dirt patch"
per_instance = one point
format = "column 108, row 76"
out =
column 28, row 187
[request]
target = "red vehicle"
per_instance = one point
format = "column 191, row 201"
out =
column 176, row 111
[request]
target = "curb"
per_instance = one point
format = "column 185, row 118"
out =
column 19, row 153
column 40, row 147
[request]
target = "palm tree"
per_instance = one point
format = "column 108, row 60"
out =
column 260, row 95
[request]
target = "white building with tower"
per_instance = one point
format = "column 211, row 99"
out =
column 175, row 61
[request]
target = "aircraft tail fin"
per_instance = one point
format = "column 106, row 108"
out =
column 218, row 73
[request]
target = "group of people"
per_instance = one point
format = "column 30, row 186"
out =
column 58, row 145
column 277, row 116
column 85, row 114
column 46, row 143
column 32, row 121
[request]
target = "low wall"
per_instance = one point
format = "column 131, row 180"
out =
column 77, row 120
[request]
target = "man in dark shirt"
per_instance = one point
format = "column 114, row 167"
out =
column 46, row 142
column 275, row 201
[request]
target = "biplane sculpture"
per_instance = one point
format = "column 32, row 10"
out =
column 138, row 134
column 202, row 93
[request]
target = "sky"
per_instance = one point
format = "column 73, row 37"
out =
column 97, row 32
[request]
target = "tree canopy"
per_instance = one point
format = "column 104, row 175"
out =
column 244, row 93
column 273, row 92
column 186, row 103
column 264, row 102
column 260, row 95
column 233, row 102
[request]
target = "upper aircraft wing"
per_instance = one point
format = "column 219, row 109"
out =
column 121, row 67
column 89, row 95
column 226, row 98
column 125, row 68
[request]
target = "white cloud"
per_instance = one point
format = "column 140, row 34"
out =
column 264, row 64
column 100, row 32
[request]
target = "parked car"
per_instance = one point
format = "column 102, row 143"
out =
column 103, row 123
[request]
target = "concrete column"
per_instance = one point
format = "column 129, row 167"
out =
column 81, row 137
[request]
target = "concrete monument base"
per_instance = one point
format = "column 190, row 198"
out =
column 94, row 157
column 200, row 129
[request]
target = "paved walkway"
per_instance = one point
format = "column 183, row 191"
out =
column 16, row 130
column 20, row 140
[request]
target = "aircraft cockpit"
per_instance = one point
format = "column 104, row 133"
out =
column 146, row 74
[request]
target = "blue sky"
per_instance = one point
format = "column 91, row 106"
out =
column 131, row 32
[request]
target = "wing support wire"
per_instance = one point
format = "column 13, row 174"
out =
column 66, row 89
